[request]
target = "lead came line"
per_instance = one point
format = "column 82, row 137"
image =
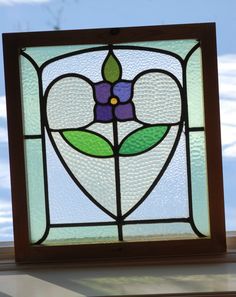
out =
column 117, row 178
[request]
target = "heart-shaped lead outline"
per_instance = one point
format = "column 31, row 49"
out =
column 176, row 141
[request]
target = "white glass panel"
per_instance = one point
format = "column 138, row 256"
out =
column 169, row 199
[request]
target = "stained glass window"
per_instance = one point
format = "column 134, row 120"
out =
column 114, row 140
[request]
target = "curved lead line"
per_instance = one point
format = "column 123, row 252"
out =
column 108, row 48
column 87, row 194
column 45, row 235
column 31, row 60
column 115, row 152
column 187, row 130
column 193, row 49
column 54, row 81
column 195, row 229
column 74, row 53
column 166, row 164
column 40, row 86
column 87, row 154
column 148, row 149
column 172, row 76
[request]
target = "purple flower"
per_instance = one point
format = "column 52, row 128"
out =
column 113, row 101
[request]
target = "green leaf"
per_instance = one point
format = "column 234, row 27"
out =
column 111, row 69
column 89, row 143
column 142, row 140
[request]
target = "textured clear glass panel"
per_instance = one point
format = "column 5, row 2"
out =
column 76, row 104
column 138, row 173
column 107, row 130
column 43, row 53
column 199, row 182
column 67, row 203
column 125, row 128
column 35, row 188
column 96, row 175
column 161, row 231
column 157, row 99
column 135, row 61
column 76, row 64
column 68, row 235
column 30, row 97
column 169, row 198
column 195, row 90
column 179, row 47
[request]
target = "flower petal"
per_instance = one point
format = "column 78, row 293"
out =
column 102, row 92
column 123, row 90
column 124, row 111
column 103, row 113
column 157, row 99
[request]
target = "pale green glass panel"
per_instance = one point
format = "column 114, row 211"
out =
column 77, row 235
column 35, row 188
column 158, row 231
column 199, row 182
column 195, row 90
column 30, row 98
column 43, row 53
column 179, row 47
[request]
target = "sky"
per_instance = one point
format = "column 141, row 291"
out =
column 41, row 15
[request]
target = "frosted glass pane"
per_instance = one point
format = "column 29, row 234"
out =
column 105, row 130
column 78, row 64
column 30, row 96
column 169, row 199
column 199, row 182
column 44, row 53
column 125, row 128
column 135, row 61
column 179, row 47
column 138, row 173
column 195, row 90
column 96, row 175
column 75, row 107
column 67, row 203
column 161, row 231
column 79, row 235
column 157, row 99
column 35, row 188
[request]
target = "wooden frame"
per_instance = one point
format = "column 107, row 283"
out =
column 24, row 251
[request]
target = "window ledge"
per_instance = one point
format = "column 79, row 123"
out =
column 71, row 280
column 7, row 258
column 202, row 275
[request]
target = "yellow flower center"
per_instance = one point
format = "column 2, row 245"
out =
column 113, row 101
